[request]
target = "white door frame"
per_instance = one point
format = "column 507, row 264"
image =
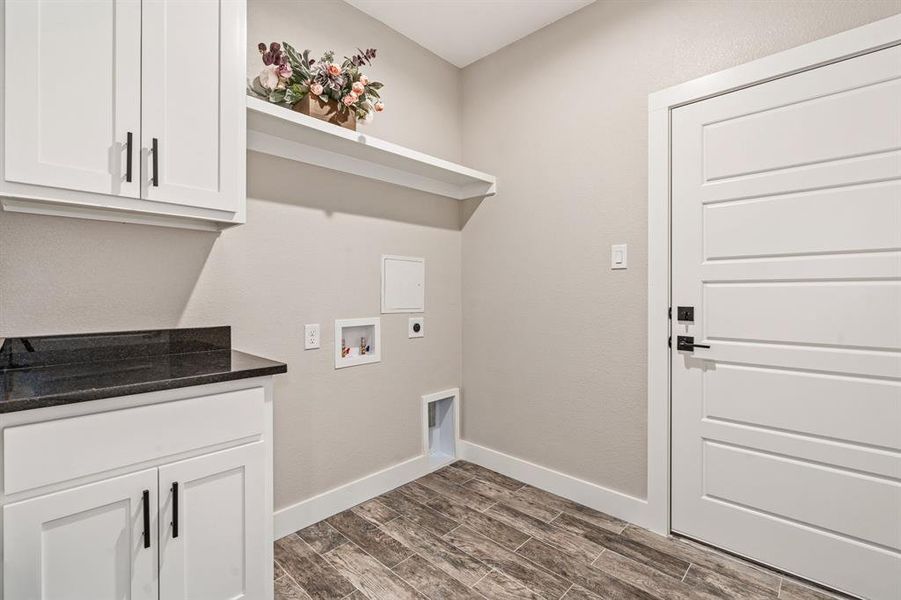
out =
column 875, row 36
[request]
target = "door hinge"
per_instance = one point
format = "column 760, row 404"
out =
column 669, row 313
column 669, row 342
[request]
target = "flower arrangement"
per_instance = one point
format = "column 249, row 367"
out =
column 289, row 77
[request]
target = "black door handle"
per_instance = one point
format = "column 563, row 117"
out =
column 128, row 146
column 175, row 509
column 155, row 179
column 146, row 501
column 687, row 342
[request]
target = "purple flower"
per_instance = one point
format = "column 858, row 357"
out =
column 274, row 55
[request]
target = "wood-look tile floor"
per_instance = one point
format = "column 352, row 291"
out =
column 465, row 532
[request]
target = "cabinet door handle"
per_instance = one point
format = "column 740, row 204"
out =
column 175, row 510
column 128, row 146
column 146, row 501
column 155, row 180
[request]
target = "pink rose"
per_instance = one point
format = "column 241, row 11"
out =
column 364, row 80
column 316, row 89
column 358, row 88
column 379, row 106
column 334, row 70
column 284, row 71
column 349, row 99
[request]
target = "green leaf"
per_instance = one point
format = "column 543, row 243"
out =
column 373, row 93
column 277, row 96
column 295, row 93
column 293, row 97
column 258, row 88
column 293, row 57
column 376, row 85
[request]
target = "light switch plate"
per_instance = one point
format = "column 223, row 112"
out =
column 311, row 336
column 416, row 328
column 619, row 256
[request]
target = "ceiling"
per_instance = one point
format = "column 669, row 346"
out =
column 463, row 31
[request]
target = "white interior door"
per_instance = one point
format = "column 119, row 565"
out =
column 193, row 109
column 87, row 543
column 73, row 94
column 786, row 432
column 212, row 526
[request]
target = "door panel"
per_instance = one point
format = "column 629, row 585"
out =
column 83, row 543
column 782, row 312
column 787, row 399
column 221, row 522
column 787, row 241
column 783, row 486
column 855, row 219
column 805, row 132
column 68, row 112
column 195, row 114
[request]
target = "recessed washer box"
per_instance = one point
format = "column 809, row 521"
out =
column 357, row 342
column 403, row 284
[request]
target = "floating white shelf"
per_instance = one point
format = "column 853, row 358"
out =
column 273, row 129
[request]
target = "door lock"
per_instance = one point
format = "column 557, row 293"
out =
column 685, row 313
column 687, row 343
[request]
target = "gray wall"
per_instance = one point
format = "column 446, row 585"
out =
column 308, row 254
column 554, row 342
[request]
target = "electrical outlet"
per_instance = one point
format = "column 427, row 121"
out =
column 311, row 336
column 416, row 328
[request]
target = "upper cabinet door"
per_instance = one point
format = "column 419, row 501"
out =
column 193, row 120
column 73, row 94
column 87, row 542
column 213, row 524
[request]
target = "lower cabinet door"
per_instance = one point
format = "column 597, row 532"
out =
column 212, row 525
column 94, row 542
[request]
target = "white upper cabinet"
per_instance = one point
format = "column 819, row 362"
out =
column 92, row 87
column 73, row 99
column 193, row 153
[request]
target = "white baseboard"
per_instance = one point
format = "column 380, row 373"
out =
column 622, row 506
column 305, row 513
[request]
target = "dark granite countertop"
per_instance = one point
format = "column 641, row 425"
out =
column 38, row 372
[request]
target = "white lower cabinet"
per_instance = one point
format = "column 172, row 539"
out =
column 87, row 543
column 191, row 521
column 205, row 521
column 210, row 527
